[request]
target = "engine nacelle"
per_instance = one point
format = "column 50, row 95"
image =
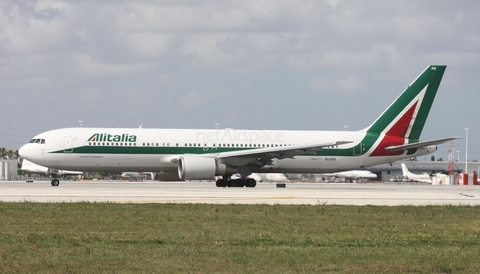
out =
column 196, row 168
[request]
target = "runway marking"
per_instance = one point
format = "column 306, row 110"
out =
column 197, row 200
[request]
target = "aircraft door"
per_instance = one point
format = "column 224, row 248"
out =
column 68, row 144
column 358, row 149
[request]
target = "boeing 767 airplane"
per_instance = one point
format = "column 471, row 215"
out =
column 202, row 154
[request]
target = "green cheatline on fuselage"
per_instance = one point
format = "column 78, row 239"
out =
column 164, row 150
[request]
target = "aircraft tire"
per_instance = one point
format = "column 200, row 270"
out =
column 55, row 182
column 250, row 183
column 221, row 183
column 239, row 183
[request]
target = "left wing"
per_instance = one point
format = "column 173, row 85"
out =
column 263, row 156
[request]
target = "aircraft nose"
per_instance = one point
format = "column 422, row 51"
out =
column 22, row 151
column 25, row 151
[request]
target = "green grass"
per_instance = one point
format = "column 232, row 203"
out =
column 176, row 238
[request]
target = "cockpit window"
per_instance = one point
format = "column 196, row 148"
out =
column 37, row 141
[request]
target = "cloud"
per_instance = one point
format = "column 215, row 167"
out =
column 86, row 65
column 263, row 64
column 35, row 28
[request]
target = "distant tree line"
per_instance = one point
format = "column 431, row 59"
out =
column 8, row 153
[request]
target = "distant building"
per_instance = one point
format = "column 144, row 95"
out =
column 8, row 169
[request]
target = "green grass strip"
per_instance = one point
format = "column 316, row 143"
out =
column 198, row 238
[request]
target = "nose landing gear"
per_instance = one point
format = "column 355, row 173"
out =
column 55, row 182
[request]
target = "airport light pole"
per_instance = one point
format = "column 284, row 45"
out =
column 466, row 151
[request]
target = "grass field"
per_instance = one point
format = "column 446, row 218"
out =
column 176, row 238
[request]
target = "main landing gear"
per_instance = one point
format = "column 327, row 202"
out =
column 236, row 183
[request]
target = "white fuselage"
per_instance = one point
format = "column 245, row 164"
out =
column 157, row 150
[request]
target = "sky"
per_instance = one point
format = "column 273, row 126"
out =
column 278, row 64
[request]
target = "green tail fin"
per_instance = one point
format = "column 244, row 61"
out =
column 406, row 116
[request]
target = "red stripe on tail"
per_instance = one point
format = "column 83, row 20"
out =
column 396, row 135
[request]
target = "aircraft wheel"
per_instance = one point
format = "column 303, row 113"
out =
column 55, row 182
column 239, row 183
column 250, row 183
column 221, row 183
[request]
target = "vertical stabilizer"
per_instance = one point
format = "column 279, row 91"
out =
column 405, row 171
column 403, row 121
column 406, row 116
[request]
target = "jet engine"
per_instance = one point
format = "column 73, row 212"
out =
column 196, row 168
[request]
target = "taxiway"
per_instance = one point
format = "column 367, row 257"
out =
column 264, row 193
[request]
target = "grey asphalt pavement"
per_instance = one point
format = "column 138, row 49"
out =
column 264, row 193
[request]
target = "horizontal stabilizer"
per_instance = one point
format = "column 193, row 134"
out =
column 421, row 144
